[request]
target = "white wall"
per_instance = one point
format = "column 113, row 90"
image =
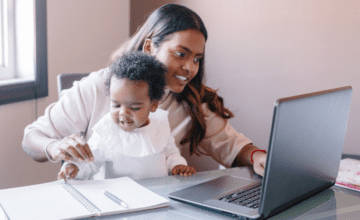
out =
column 262, row 50
column 81, row 36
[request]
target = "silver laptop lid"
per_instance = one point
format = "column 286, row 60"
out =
column 305, row 147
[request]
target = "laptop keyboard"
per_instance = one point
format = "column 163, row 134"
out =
column 244, row 197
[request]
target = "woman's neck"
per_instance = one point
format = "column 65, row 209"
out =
column 166, row 94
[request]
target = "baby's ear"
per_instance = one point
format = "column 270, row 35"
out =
column 154, row 105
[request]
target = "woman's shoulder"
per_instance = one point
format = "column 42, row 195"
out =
column 102, row 73
column 97, row 78
column 93, row 86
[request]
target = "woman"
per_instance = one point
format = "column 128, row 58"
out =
column 176, row 36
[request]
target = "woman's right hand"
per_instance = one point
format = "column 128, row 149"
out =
column 69, row 171
column 70, row 149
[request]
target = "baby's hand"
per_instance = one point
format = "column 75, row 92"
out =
column 69, row 171
column 183, row 170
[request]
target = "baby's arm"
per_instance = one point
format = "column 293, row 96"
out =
column 175, row 162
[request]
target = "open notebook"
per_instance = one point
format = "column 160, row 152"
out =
column 57, row 200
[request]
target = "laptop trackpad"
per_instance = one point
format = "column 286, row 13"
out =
column 211, row 189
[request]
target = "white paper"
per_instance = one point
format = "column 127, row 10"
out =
column 134, row 195
column 41, row 202
column 51, row 200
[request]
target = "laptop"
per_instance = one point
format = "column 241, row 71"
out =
column 306, row 142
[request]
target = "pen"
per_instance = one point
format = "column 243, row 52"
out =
column 115, row 199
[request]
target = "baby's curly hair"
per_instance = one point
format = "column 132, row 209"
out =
column 139, row 66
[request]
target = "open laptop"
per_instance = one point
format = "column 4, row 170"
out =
column 306, row 142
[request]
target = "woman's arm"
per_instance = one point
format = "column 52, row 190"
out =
column 77, row 111
column 34, row 145
column 244, row 158
column 227, row 146
column 72, row 148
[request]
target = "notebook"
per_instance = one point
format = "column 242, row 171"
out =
column 349, row 174
column 77, row 199
column 305, row 147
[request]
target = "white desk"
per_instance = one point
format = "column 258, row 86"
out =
column 333, row 203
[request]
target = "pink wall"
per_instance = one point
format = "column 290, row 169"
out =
column 262, row 50
column 139, row 11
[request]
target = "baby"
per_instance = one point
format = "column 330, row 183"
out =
column 134, row 138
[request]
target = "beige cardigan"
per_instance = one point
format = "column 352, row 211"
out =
column 82, row 106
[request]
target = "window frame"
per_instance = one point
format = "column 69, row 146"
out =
column 37, row 88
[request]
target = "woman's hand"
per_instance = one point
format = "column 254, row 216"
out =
column 69, row 171
column 70, row 149
column 183, row 170
column 259, row 159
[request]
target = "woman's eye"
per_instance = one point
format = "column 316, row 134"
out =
column 197, row 60
column 135, row 109
column 180, row 54
column 116, row 106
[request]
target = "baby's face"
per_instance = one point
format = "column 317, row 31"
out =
column 130, row 103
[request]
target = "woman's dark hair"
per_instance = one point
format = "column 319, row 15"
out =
column 166, row 20
column 138, row 66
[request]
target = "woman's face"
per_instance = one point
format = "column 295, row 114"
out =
column 180, row 53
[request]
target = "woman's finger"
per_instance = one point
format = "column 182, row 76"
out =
column 69, row 146
column 88, row 152
column 62, row 155
column 83, row 148
column 78, row 139
column 80, row 149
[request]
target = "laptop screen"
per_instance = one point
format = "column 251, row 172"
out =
column 306, row 143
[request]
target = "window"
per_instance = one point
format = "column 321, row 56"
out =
column 23, row 54
column 7, row 65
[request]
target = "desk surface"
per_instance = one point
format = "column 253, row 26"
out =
column 333, row 203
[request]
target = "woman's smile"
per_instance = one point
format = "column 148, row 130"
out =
column 182, row 79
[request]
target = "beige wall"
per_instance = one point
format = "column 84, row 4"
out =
column 140, row 10
column 81, row 36
column 262, row 50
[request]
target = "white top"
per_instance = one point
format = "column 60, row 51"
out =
column 145, row 152
column 82, row 106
